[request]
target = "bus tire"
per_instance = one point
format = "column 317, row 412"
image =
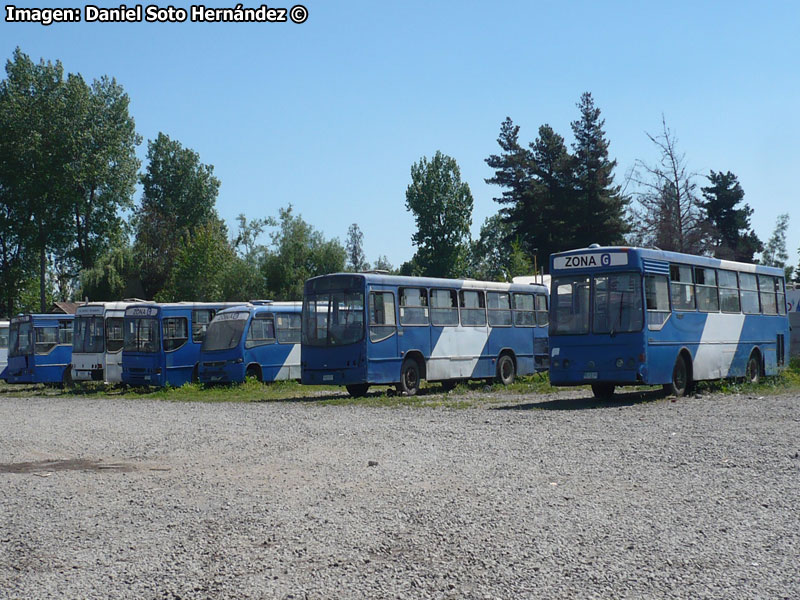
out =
column 681, row 381
column 603, row 391
column 253, row 371
column 506, row 371
column 66, row 378
column 356, row 390
column 753, row 369
column 409, row 378
column 449, row 384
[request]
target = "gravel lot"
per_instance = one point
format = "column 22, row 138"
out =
column 523, row 497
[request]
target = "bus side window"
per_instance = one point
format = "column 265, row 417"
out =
column 3, row 337
column 781, row 292
column 707, row 295
column 749, row 293
column 382, row 322
column 542, row 313
column 444, row 308
column 46, row 339
column 261, row 332
column 682, row 287
column 413, row 306
column 473, row 308
column 656, row 294
column 200, row 320
column 176, row 332
column 728, row 292
column 499, row 305
column 524, row 315
column 287, row 328
column 768, row 303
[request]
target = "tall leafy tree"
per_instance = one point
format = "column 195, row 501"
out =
column 442, row 208
column 775, row 253
column 731, row 235
column 669, row 214
column 354, row 245
column 382, row 263
column 599, row 205
column 179, row 195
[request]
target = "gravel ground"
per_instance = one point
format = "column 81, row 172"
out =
column 522, row 497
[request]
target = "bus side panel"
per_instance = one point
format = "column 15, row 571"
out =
column 278, row 361
column 180, row 363
column 459, row 353
column 520, row 340
column 414, row 338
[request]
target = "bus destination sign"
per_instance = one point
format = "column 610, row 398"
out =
column 591, row 260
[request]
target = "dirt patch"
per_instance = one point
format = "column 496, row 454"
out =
column 74, row 464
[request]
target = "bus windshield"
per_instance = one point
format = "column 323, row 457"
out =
column 570, row 305
column 224, row 332
column 618, row 303
column 89, row 335
column 141, row 335
column 20, row 340
column 333, row 318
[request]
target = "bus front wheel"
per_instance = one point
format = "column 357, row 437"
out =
column 603, row 391
column 753, row 371
column 409, row 378
column 505, row 370
column 680, row 379
column 356, row 390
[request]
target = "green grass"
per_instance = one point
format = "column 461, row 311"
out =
column 465, row 395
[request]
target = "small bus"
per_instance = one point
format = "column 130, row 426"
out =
column 161, row 342
column 639, row 316
column 369, row 329
column 258, row 339
column 3, row 344
column 39, row 349
column 97, row 342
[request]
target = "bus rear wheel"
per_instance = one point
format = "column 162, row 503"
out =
column 253, row 372
column 753, row 370
column 603, row 391
column 356, row 390
column 680, row 379
column 409, row 378
column 506, row 372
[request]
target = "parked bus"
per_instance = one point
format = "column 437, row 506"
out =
column 97, row 342
column 259, row 339
column 39, row 349
column 365, row 329
column 633, row 316
column 4, row 325
column 161, row 342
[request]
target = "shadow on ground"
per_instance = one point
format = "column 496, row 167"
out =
column 589, row 402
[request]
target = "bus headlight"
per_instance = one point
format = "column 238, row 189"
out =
column 556, row 363
column 620, row 363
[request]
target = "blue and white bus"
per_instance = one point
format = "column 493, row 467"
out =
column 637, row 316
column 39, row 349
column 365, row 329
column 258, row 339
column 161, row 342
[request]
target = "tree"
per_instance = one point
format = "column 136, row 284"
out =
column 669, row 214
column 114, row 275
column 246, row 240
column 297, row 252
column 382, row 264
column 599, row 206
column 354, row 245
column 731, row 235
column 442, row 208
column 179, row 194
column 775, row 254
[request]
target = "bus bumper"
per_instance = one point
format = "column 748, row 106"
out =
column 333, row 376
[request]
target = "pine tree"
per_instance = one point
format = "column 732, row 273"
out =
column 600, row 206
column 775, row 254
column 732, row 237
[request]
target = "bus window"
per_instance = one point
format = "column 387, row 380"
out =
column 3, row 337
column 570, row 306
column 141, row 335
column 499, row 305
column 617, row 303
column 287, row 328
column 706, row 286
column 524, row 315
column 779, row 290
column 381, row 316
column 46, row 339
column 682, row 288
column 542, row 314
column 114, row 337
column 728, row 292
column 444, row 307
column 473, row 308
column 656, row 292
column 749, row 293
column 767, row 286
column 261, row 332
column 176, row 333
column 65, row 332
column 200, row 320
column 413, row 306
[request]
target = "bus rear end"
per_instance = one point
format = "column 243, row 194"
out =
column 597, row 333
column 333, row 345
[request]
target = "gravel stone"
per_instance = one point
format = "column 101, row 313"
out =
column 556, row 496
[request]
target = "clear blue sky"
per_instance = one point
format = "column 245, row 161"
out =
column 329, row 115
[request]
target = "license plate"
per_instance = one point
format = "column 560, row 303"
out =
column 590, row 375
column 327, row 378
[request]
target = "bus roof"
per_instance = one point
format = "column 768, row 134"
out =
column 660, row 255
column 406, row 281
column 258, row 308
